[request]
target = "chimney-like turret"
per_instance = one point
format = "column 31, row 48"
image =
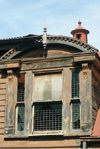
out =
column 80, row 33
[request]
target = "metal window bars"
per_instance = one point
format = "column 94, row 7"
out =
column 76, row 114
column 75, row 83
column 20, row 108
column 48, row 116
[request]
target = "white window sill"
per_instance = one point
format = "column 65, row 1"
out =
column 45, row 133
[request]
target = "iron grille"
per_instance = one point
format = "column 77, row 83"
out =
column 76, row 114
column 20, row 94
column 48, row 116
column 75, row 83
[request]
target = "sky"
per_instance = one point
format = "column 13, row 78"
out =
column 23, row 17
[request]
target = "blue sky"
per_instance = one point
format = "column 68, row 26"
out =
column 23, row 17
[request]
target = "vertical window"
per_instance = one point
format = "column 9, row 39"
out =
column 20, row 108
column 75, row 114
column 75, row 83
column 47, row 106
column 21, row 88
column 20, row 117
column 75, row 99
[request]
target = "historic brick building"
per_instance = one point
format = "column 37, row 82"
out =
column 49, row 92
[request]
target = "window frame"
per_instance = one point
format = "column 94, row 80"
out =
column 54, row 132
column 75, row 99
column 75, row 84
column 47, row 132
column 16, row 117
column 18, row 103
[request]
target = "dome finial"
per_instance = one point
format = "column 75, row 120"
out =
column 79, row 22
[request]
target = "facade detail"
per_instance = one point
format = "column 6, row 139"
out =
column 49, row 92
column 80, row 33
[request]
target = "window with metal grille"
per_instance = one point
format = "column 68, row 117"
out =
column 20, row 117
column 48, row 116
column 21, row 88
column 75, row 83
column 75, row 114
column 20, row 106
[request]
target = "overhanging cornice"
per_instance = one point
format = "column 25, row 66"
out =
column 50, row 39
column 84, row 47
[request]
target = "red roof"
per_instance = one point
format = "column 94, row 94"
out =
column 96, row 129
column 98, row 53
column 79, row 28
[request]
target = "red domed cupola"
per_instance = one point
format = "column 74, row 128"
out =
column 80, row 33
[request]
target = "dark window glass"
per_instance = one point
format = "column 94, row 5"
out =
column 75, row 83
column 48, row 116
column 78, row 36
column 20, row 117
column 76, row 114
column 21, row 88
